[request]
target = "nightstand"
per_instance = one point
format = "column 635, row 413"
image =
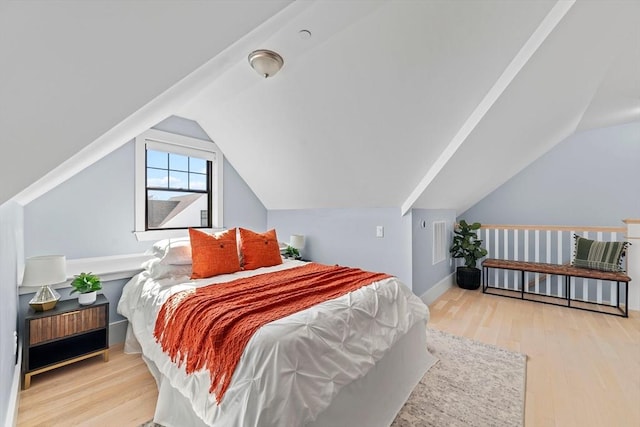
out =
column 68, row 333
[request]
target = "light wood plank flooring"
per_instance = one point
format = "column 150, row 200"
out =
column 583, row 368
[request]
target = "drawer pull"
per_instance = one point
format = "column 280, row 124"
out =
column 70, row 313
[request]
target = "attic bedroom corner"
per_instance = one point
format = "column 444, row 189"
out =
column 319, row 213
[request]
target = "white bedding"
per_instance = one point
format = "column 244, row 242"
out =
column 292, row 368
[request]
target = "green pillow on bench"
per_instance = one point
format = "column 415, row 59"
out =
column 605, row 256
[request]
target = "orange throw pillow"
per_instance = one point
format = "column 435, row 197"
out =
column 213, row 255
column 259, row 249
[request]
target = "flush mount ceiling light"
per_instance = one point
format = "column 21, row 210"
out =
column 266, row 62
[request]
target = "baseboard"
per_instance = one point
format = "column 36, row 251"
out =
column 11, row 419
column 117, row 331
column 438, row 289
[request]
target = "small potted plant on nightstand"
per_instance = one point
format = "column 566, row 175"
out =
column 87, row 285
column 292, row 253
column 467, row 245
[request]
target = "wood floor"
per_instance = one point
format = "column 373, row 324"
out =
column 583, row 368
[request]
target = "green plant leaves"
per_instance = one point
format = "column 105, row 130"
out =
column 86, row 282
column 466, row 243
column 291, row 252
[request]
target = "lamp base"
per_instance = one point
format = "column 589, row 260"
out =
column 43, row 306
column 45, row 299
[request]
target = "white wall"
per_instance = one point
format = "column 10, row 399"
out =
column 425, row 273
column 591, row 178
column 11, row 224
column 348, row 237
column 92, row 214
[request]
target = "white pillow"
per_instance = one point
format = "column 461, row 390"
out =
column 157, row 270
column 173, row 251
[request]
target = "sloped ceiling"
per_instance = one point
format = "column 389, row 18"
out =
column 546, row 103
column 361, row 111
column 72, row 70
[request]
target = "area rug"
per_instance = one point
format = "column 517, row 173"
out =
column 473, row 384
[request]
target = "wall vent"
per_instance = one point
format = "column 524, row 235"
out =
column 439, row 241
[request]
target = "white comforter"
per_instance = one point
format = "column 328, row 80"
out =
column 291, row 368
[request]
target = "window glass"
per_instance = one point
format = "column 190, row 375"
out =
column 178, row 180
column 157, row 178
column 197, row 181
column 177, row 196
column 178, row 162
column 176, row 209
column 197, row 165
column 157, row 159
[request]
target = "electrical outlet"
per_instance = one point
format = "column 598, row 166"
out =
column 379, row 231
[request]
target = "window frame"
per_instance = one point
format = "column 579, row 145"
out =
column 178, row 144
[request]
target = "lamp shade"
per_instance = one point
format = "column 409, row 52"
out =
column 296, row 241
column 45, row 270
column 266, row 62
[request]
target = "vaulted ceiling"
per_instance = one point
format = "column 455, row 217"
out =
column 428, row 104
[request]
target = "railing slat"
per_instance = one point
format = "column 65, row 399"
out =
column 547, row 281
column 497, row 240
column 572, row 282
column 526, row 256
column 599, row 282
column 585, row 282
column 536, row 254
column 516, row 276
column 506, row 256
column 560, row 284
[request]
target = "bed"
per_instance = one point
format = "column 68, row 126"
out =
column 352, row 360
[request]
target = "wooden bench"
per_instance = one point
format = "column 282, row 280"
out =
column 566, row 271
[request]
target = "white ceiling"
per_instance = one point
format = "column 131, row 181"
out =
column 72, row 70
column 361, row 111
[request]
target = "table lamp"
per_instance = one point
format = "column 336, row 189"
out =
column 296, row 241
column 44, row 271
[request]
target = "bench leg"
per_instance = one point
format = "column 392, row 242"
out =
column 484, row 280
column 626, row 299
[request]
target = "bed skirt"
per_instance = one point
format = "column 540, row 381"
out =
column 373, row 400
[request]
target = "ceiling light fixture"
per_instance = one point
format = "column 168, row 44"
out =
column 304, row 34
column 266, row 62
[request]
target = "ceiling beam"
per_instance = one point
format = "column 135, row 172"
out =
column 536, row 39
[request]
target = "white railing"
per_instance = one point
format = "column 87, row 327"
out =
column 549, row 244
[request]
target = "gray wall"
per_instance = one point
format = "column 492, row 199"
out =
column 591, row 178
column 348, row 237
column 11, row 222
column 92, row 214
column 425, row 273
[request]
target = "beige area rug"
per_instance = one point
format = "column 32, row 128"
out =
column 472, row 384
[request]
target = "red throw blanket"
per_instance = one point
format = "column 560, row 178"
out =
column 210, row 326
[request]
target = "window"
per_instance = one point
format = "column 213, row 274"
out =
column 178, row 185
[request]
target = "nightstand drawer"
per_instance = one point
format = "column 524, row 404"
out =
column 66, row 324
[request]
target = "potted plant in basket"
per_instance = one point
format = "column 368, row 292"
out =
column 467, row 245
column 87, row 285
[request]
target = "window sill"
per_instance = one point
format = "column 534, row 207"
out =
column 108, row 268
